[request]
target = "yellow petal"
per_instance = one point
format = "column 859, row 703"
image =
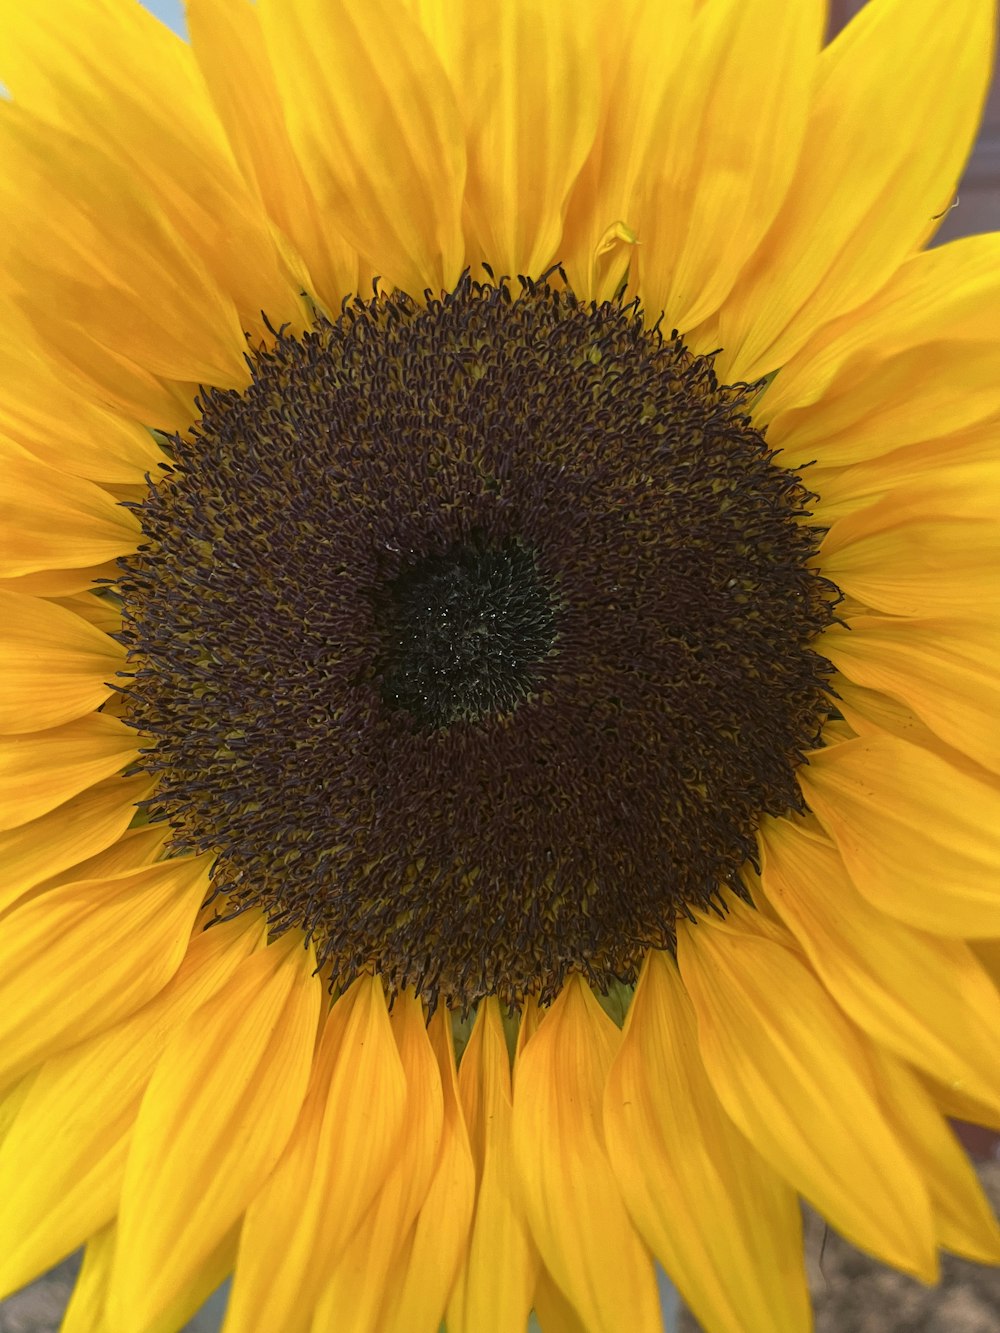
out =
column 62, row 1163
column 53, row 665
column 641, row 46
column 94, row 253
column 924, row 997
column 375, row 126
column 68, row 835
column 353, row 1293
column 528, row 88
column 721, row 154
column 97, row 68
column 552, row 1310
column 792, row 1073
column 965, row 455
column 213, row 1123
column 922, row 351
column 86, row 1310
column 139, row 846
column 498, row 1278
column 947, row 671
column 963, row 1219
column 86, row 955
column 335, row 1162
column 723, row 1223
column 228, row 45
column 60, row 582
column 902, row 73
column 39, row 772
column 919, row 836
column 52, row 521
column 424, row 1272
column 575, row 1210
column 926, row 549
column 57, row 422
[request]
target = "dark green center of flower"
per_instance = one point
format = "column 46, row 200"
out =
column 464, row 633
column 473, row 637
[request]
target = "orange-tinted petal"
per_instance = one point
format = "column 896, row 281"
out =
column 40, row 771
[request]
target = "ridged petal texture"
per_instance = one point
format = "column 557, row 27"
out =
column 181, row 1091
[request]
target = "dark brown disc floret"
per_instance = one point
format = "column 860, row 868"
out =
column 474, row 638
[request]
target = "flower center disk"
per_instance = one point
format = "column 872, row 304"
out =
column 473, row 638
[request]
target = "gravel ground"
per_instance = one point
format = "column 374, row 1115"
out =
column 852, row 1293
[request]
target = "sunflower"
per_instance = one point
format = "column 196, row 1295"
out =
column 500, row 758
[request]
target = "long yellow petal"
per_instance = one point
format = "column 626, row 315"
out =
column 53, row 666
column 214, row 1121
column 51, row 521
column 575, row 1209
column 963, row 1219
column 922, row 350
column 98, row 68
column 424, row 1273
column 67, row 835
column 947, row 671
column 62, row 1163
column 352, row 1295
column 793, row 1075
column 376, row 129
column 228, row 44
column 923, row 996
column 926, row 549
column 724, row 1224
column 919, row 836
column 902, row 73
column 60, row 424
column 41, row 771
column 86, row 955
column 498, row 1278
column 722, row 153
column 336, row 1160
column 641, row 46
column 969, row 454
column 528, row 89
column 115, row 273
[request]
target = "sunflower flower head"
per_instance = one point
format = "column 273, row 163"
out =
column 499, row 720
